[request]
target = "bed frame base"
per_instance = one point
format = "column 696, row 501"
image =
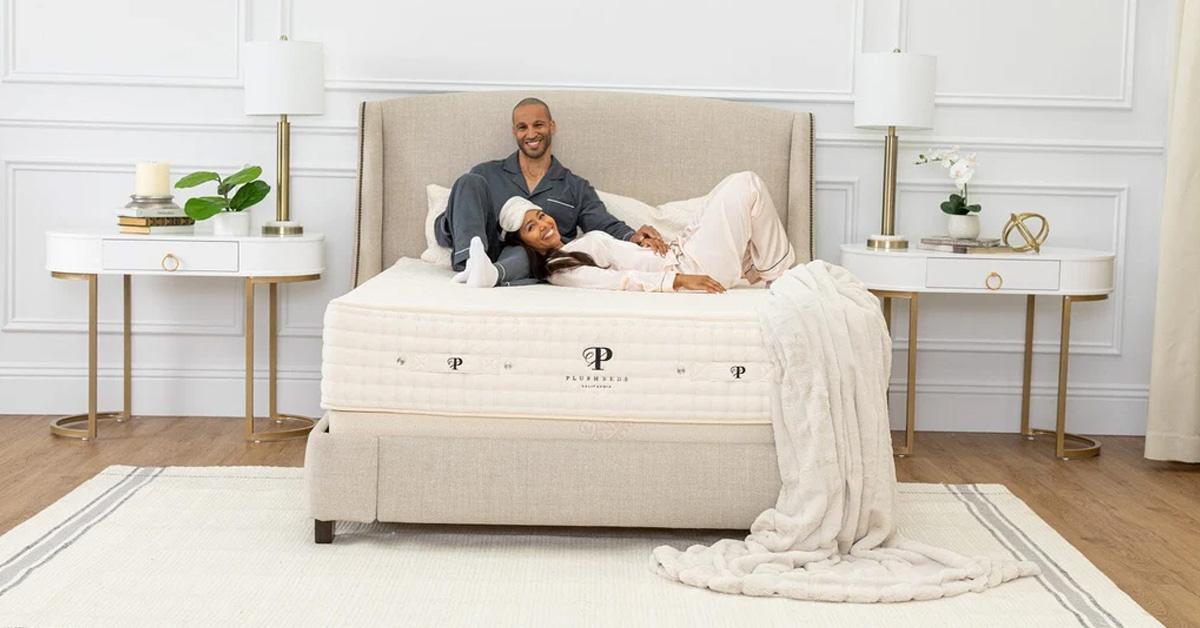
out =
column 352, row 477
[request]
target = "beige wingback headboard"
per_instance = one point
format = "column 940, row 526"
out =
column 652, row 147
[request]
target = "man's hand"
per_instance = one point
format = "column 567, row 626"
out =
column 650, row 238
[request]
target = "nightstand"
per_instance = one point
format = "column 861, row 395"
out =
column 85, row 255
column 1072, row 275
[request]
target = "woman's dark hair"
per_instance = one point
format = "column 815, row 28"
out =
column 542, row 265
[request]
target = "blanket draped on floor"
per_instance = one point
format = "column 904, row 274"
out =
column 831, row 535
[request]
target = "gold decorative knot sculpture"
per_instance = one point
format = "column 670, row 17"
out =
column 1033, row 242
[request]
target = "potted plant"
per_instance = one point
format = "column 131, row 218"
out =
column 962, row 219
column 229, row 214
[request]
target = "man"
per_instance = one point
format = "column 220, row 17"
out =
column 532, row 173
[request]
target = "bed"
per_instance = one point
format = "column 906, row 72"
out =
column 541, row 405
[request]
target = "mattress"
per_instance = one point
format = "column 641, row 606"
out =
column 409, row 351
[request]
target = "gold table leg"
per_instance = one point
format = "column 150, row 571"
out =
column 1088, row 447
column 910, row 395
column 67, row 426
column 1027, row 374
column 306, row 423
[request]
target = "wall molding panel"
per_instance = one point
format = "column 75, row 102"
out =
column 403, row 86
column 848, row 186
column 1121, row 100
column 10, row 73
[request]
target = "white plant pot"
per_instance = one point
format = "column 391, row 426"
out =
column 231, row 224
column 963, row 227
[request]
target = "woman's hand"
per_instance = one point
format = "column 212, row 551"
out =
column 702, row 283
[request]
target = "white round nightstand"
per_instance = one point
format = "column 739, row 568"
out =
column 1070, row 274
column 86, row 255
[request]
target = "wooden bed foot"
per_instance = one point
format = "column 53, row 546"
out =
column 322, row 531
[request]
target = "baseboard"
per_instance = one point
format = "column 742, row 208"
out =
column 213, row 394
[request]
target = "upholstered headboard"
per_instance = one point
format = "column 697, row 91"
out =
column 652, row 147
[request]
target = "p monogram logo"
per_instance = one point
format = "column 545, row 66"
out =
column 737, row 371
column 454, row 363
column 597, row 356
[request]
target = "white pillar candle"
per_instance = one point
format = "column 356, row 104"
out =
column 153, row 179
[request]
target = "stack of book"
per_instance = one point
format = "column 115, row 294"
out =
column 947, row 244
column 148, row 216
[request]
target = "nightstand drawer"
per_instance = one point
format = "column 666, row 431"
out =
column 170, row 255
column 999, row 275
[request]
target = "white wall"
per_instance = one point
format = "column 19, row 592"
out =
column 1064, row 101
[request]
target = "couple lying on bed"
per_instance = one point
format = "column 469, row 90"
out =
column 511, row 221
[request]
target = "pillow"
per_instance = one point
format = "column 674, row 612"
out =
column 669, row 218
column 436, row 198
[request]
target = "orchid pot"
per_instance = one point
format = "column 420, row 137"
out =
column 963, row 227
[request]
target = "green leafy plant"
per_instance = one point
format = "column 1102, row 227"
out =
column 957, row 205
column 251, row 191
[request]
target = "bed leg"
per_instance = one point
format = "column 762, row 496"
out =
column 322, row 531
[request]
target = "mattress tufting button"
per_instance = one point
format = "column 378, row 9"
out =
column 508, row 366
column 681, row 370
column 400, row 360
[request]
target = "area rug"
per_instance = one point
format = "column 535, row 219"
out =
column 156, row 546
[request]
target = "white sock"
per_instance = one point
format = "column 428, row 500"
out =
column 481, row 272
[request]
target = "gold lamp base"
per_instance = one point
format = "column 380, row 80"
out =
column 282, row 228
column 887, row 242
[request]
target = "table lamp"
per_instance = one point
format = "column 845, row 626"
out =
column 893, row 90
column 284, row 78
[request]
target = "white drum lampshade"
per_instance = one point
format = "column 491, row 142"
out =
column 284, row 78
column 893, row 90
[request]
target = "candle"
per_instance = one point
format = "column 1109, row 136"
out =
column 153, row 179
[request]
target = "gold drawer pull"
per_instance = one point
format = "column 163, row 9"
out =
column 987, row 282
column 174, row 263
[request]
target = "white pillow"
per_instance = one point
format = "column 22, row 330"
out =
column 669, row 218
column 436, row 198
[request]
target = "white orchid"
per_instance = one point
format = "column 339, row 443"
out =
column 960, row 168
column 962, row 171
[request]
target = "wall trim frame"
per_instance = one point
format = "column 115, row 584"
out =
column 9, row 73
column 1121, row 100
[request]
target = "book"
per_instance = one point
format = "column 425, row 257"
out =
column 945, row 239
column 152, row 212
column 173, row 230
column 968, row 250
column 157, row 221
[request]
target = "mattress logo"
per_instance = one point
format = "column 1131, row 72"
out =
column 737, row 371
column 597, row 356
column 454, row 363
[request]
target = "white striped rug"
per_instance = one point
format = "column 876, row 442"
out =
column 154, row 546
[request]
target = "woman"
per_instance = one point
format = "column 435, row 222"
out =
column 736, row 240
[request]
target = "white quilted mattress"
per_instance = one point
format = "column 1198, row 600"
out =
column 409, row 341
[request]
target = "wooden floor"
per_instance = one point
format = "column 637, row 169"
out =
column 1138, row 521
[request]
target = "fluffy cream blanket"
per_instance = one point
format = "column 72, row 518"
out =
column 831, row 535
